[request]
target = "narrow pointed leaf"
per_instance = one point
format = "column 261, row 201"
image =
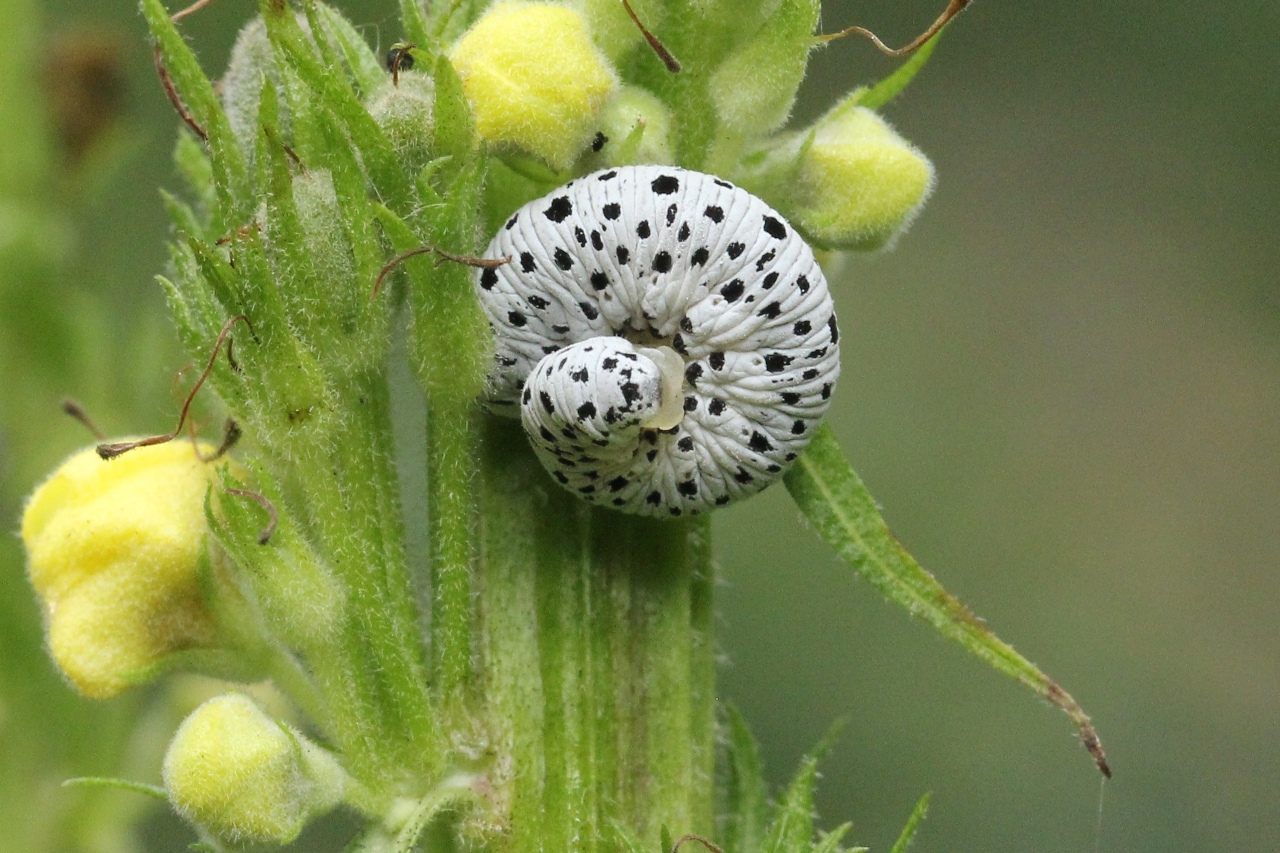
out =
column 845, row 515
column 888, row 88
column 913, row 824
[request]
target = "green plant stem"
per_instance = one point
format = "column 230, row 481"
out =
column 451, row 454
column 350, row 487
column 603, row 691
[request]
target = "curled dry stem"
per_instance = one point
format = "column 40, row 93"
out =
column 111, row 451
column 468, row 260
column 273, row 515
column 955, row 7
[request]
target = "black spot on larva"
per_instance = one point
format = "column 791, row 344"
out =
column 511, row 223
column 580, row 236
column 759, row 443
column 550, row 348
column 789, row 457
column 686, row 444
column 580, row 375
column 811, row 373
column 560, row 209
column 516, row 319
column 675, row 510
column 599, row 141
column 724, row 184
column 772, row 310
column 803, row 284
column 797, row 428
column 671, row 214
column 716, row 360
column 630, row 356
column 619, row 501
column 651, row 455
column 684, row 232
column 564, row 481
column 770, row 280
column 735, row 249
column 545, row 399
column 742, row 475
column 589, row 310
column 563, row 259
column 790, row 398
column 690, row 403
column 693, row 373
column 802, row 327
column 653, row 498
column 835, row 331
column 599, row 280
column 617, row 484
column 642, row 230
column 688, row 488
column 774, row 228
column 716, row 407
column 773, row 469
column 527, row 263
column 722, row 500
column 714, row 212
column 528, row 395
column 662, row 262
column 612, row 210
column 764, row 260
column 507, row 361
column 686, row 325
column 677, row 344
column 609, row 363
column 816, row 353
column 733, row 290
column 630, row 392
column 611, row 415
column 588, row 410
column 561, row 365
column 826, row 391
column 560, row 329
column 666, row 184
column 700, row 256
column 546, row 435
column 623, row 254
column 776, row 362
column 607, row 176
column 488, row 279
column 596, row 242
column 586, row 490
column 538, row 302
column 599, row 442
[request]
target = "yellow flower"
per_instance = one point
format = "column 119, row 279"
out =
column 534, row 79
column 244, row 777
column 113, row 552
column 860, row 183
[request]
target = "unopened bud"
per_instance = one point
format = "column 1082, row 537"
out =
column 245, row 778
column 534, row 79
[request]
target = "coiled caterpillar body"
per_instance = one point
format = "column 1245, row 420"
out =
column 668, row 338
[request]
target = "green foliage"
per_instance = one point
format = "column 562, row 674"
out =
column 547, row 679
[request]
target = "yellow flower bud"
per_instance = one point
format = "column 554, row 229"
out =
column 860, row 183
column 113, row 551
column 245, row 778
column 534, row 79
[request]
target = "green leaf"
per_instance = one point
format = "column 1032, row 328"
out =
column 119, row 784
column 792, row 827
column 845, row 515
column 453, row 133
column 888, row 88
column 361, row 61
column 830, row 841
column 913, row 824
column 747, row 797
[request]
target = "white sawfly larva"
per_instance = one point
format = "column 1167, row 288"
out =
column 668, row 338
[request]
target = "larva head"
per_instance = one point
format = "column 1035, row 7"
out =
column 704, row 294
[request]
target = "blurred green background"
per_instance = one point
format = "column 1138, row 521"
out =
column 1063, row 385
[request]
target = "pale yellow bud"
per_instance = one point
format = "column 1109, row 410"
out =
column 113, row 551
column 534, row 79
column 860, row 183
column 245, row 778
